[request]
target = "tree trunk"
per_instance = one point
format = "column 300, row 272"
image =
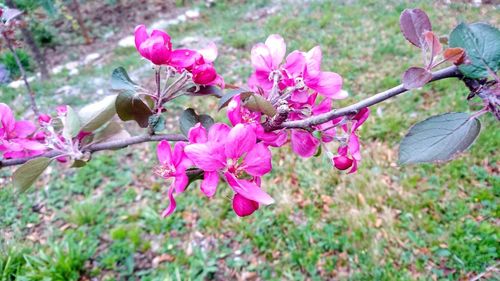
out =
column 30, row 41
column 81, row 23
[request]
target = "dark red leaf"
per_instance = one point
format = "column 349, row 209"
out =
column 413, row 24
column 416, row 77
column 432, row 43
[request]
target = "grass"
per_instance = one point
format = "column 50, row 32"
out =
column 383, row 223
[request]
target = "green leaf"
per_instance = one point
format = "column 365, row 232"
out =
column 481, row 43
column 27, row 174
column 72, row 124
column 112, row 131
column 439, row 138
column 94, row 115
column 189, row 118
column 131, row 107
column 204, row 91
column 258, row 103
column 225, row 99
column 120, row 81
column 157, row 122
column 78, row 163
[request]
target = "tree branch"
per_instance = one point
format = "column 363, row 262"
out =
column 116, row 144
column 448, row 72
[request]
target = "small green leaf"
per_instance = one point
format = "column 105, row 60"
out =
column 71, row 124
column 78, row 163
column 481, row 44
column 258, row 103
column 112, row 131
column 204, row 91
column 94, row 115
column 131, row 107
column 189, row 118
column 157, row 122
column 224, row 100
column 27, row 174
column 120, row 81
column 439, row 138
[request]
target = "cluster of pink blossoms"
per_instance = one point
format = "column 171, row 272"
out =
column 157, row 47
column 18, row 138
column 240, row 154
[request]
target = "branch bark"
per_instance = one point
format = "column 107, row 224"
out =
column 110, row 145
column 448, row 72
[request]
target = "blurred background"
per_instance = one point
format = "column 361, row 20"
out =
column 386, row 222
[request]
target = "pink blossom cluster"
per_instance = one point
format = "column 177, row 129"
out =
column 240, row 154
column 231, row 153
column 157, row 47
column 18, row 139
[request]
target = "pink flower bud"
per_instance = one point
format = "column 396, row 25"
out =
column 40, row 136
column 155, row 47
column 204, row 74
column 342, row 163
column 44, row 119
column 62, row 110
column 244, row 207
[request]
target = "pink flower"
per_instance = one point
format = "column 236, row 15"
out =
column 244, row 207
column 267, row 61
column 172, row 165
column 349, row 154
column 15, row 141
column 155, row 47
column 233, row 153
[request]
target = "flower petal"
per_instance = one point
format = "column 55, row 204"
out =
column 209, row 53
column 180, row 182
column 183, row 58
column 172, row 205
column 248, row 189
column 141, row 35
column 206, row 156
column 209, row 183
column 277, row 49
column 240, row 140
column 328, row 84
column 304, row 143
column 258, row 160
column 6, row 117
column 261, row 58
column 295, row 63
column 198, row 134
column 164, row 152
column 218, row 133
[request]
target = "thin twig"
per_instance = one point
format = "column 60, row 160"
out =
column 31, row 94
column 110, row 145
column 491, row 268
column 448, row 72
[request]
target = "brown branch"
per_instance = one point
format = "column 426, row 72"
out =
column 448, row 72
column 31, row 94
column 110, row 145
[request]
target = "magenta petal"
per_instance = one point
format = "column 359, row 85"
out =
column 261, row 58
column 183, row 58
column 204, row 74
column 198, row 134
column 141, row 35
column 304, row 143
column 172, row 205
column 30, row 144
column 206, row 157
column 277, row 49
column 244, row 207
column 164, row 152
column 179, row 158
column 328, row 84
column 257, row 162
column 23, row 129
column 342, row 163
column 209, row 183
column 295, row 63
column 240, row 140
column 361, row 118
column 353, row 146
column 162, row 34
column 218, row 133
column 248, row 189
column 234, row 110
column 180, row 182
column 6, row 117
column 313, row 60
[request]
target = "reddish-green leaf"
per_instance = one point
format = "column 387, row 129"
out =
column 413, row 24
column 416, row 77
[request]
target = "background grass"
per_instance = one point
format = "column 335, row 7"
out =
column 383, row 223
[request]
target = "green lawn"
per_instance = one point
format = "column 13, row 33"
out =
column 383, row 223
